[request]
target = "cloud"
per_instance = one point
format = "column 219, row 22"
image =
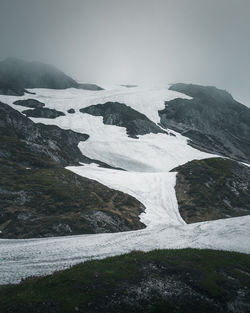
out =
column 134, row 41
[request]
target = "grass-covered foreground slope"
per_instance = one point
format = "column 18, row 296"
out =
column 170, row 281
column 212, row 188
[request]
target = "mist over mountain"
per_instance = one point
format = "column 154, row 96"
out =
column 17, row 75
column 124, row 156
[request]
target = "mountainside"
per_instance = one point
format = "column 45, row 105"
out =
column 119, row 146
column 169, row 281
column 21, row 138
column 40, row 198
column 17, row 75
column 212, row 119
column 44, row 202
column 213, row 188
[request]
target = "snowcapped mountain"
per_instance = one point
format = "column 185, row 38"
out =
column 150, row 160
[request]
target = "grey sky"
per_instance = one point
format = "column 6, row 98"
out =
column 134, row 41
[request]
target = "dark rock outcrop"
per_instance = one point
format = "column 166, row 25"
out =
column 213, row 120
column 71, row 111
column 20, row 138
column 30, row 103
column 161, row 281
column 213, row 188
column 43, row 113
column 52, row 201
column 119, row 114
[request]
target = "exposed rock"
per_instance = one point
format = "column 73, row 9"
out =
column 26, row 142
column 71, row 111
column 212, row 119
column 30, row 103
column 43, row 113
column 213, row 188
column 119, row 114
column 38, row 198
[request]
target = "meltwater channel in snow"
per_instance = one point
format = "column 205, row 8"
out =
column 147, row 162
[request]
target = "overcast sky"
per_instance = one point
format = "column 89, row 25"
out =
column 134, row 41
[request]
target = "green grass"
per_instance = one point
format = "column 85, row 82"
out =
column 215, row 275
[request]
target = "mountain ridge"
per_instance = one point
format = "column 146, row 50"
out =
column 212, row 119
column 16, row 76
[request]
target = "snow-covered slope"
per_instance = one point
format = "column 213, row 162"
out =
column 110, row 144
column 23, row 258
column 145, row 100
column 154, row 190
column 147, row 162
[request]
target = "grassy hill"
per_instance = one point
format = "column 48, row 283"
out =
column 174, row 281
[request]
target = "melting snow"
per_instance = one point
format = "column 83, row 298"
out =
column 147, row 160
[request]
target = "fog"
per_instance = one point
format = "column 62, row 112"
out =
column 134, row 41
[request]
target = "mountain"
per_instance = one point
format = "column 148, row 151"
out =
column 88, row 163
column 212, row 119
column 69, row 132
column 17, row 75
column 38, row 197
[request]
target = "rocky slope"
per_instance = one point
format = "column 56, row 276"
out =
column 214, row 188
column 52, row 201
column 38, row 197
column 168, row 281
column 119, row 114
column 21, row 138
column 17, row 75
column 212, row 119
